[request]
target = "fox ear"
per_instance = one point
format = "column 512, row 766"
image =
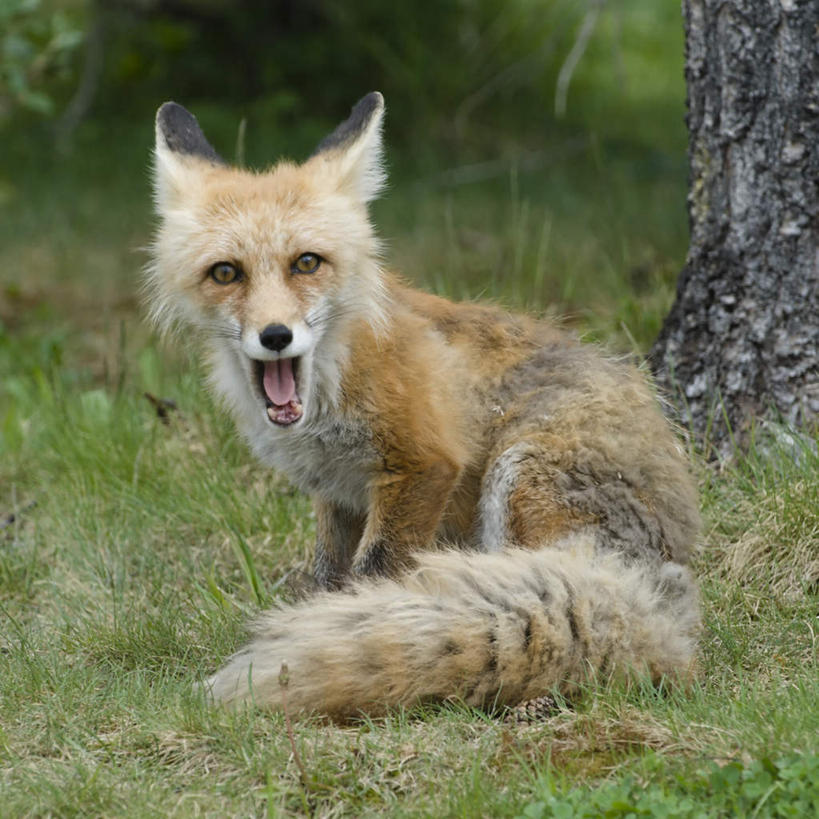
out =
column 355, row 149
column 178, row 138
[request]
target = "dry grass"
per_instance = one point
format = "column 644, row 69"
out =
column 774, row 549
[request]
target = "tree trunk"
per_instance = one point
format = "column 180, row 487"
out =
column 741, row 341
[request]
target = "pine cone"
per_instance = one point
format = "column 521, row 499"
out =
column 531, row 711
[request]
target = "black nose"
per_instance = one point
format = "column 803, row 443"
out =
column 275, row 337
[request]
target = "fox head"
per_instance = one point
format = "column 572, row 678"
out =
column 269, row 269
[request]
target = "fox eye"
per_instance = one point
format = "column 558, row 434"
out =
column 306, row 263
column 224, row 273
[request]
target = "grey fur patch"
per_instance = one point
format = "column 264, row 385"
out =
column 500, row 480
column 624, row 523
column 182, row 133
column 352, row 127
column 676, row 582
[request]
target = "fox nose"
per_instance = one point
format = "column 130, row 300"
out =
column 275, row 337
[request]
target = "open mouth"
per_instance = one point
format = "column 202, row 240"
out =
column 278, row 383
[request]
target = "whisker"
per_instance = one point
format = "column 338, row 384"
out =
column 224, row 330
column 322, row 318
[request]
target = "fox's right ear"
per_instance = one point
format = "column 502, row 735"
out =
column 353, row 152
column 179, row 139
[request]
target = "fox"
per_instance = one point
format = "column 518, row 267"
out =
column 502, row 511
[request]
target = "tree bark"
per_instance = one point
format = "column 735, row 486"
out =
column 742, row 339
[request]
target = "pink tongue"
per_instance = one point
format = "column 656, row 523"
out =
column 279, row 383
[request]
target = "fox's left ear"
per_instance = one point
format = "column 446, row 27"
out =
column 179, row 140
column 354, row 149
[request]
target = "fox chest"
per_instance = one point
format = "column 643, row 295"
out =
column 332, row 460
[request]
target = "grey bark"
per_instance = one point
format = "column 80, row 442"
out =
column 742, row 339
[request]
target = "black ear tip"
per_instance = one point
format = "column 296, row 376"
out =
column 369, row 104
column 166, row 107
column 182, row 133
column 171, row 117
column 352, row 127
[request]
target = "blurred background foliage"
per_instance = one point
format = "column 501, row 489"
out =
column 37, row 48
column 493, row 193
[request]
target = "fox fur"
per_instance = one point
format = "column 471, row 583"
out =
column 501, row 510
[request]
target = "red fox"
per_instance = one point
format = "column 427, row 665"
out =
column 501, row 511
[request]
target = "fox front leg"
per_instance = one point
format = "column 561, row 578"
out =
column 338, row 533
column 405, row 512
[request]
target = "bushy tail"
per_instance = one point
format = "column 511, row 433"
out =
column 482, row 628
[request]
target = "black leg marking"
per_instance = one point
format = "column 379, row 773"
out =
column 375, row 562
